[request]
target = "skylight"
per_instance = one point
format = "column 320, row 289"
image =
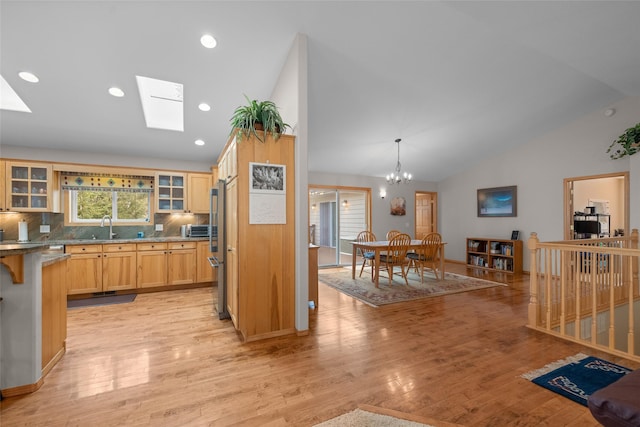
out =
column 9, row 99
column 162, row 103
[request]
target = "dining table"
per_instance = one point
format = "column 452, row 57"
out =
column 382, row 245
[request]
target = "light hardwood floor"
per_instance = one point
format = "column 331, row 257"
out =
column 165, row 360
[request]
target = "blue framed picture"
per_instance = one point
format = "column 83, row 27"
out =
column 498, row 201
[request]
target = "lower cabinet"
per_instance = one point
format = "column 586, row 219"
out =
column 99, row 268
column 123, row 266
column 54, row 313
column 204, row 271
column 161, row 264
column 181, row 261
column 118, row 267
column 84, row 269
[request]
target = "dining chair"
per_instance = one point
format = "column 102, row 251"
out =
column 396, row 256
column 426, row 255
column 367, row 256
column 392, row 233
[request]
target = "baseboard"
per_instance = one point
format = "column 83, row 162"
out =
column 23, row 389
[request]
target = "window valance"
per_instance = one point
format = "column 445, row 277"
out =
column 106, row 182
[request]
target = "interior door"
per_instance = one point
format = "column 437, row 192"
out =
column 426, row 213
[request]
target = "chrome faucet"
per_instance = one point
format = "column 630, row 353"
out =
column 111, row 233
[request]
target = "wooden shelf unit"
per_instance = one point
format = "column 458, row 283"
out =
column 495, row 254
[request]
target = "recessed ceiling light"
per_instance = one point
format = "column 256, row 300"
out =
column 199, row 142
column 208, row 41
column 116, row 91
column 609, row 112
column 29, row 77
column 204, row 107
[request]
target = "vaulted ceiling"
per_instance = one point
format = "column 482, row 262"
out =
column 457, row 81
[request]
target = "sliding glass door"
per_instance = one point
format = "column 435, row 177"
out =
column 336, row 216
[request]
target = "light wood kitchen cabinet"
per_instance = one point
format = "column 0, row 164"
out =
column 100, row 268
column 198, row 186
column 171, row 192
column 118, row 266
column 204, row 271
column 3, row 186
column 84, row 269
column 231, row 267
column 260, row 261
column 181, row 259
column 161, row 264
column 152, row 264
column 31, row 187
column 228, row 162
column 54, row 313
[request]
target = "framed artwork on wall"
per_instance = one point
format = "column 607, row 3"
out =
column 398, row 206
column 498, row 201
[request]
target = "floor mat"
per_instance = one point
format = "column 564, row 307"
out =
column 101, row 300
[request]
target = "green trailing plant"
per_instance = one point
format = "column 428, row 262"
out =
column 627, row 144
column 257, row 117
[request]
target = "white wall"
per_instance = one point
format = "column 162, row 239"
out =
column 538, row 168
column 290, row 95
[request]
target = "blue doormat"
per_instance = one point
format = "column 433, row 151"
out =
column 100, row 300
column 577, row 377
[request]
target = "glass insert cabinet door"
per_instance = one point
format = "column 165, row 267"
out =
column 336, row 216
column 170, row 192
column 29, row 187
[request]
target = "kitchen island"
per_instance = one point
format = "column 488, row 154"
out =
column 32, row 315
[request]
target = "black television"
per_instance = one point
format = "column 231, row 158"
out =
column 586, row 227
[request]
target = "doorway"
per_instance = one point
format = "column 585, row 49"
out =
column 426, row 214
column 336, row 216
column 607, row 194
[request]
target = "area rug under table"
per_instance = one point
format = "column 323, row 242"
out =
column 363, row 289
column 577, row 377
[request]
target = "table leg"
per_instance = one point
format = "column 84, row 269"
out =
column 353, row 261
column 376, row 267
column 442, row 261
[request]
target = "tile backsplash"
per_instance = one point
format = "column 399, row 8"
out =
column 58, row 231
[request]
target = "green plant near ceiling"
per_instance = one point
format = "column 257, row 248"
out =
column 257, row 118
column 627, row 144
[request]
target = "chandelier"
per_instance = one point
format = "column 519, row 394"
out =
column 397, row 177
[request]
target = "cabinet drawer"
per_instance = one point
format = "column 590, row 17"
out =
column 83, row 249
column 119, row 247
column 152, row 246
column 182, row 245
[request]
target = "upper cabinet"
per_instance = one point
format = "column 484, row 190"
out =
column 227, row 162
column 198, row 186
column 3, row 185
column 171, row 192
column 30, row 187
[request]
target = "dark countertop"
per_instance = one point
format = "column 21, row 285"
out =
column 50, row 259
column 15, row 248
column 132, row 240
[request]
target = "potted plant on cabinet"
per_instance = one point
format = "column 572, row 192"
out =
column 627, row 144
column 258, row 116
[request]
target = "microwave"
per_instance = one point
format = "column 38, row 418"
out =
column 194, row 230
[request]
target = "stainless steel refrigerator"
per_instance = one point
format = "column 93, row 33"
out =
column 217, row 244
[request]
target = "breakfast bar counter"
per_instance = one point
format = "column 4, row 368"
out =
column 27, row 351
